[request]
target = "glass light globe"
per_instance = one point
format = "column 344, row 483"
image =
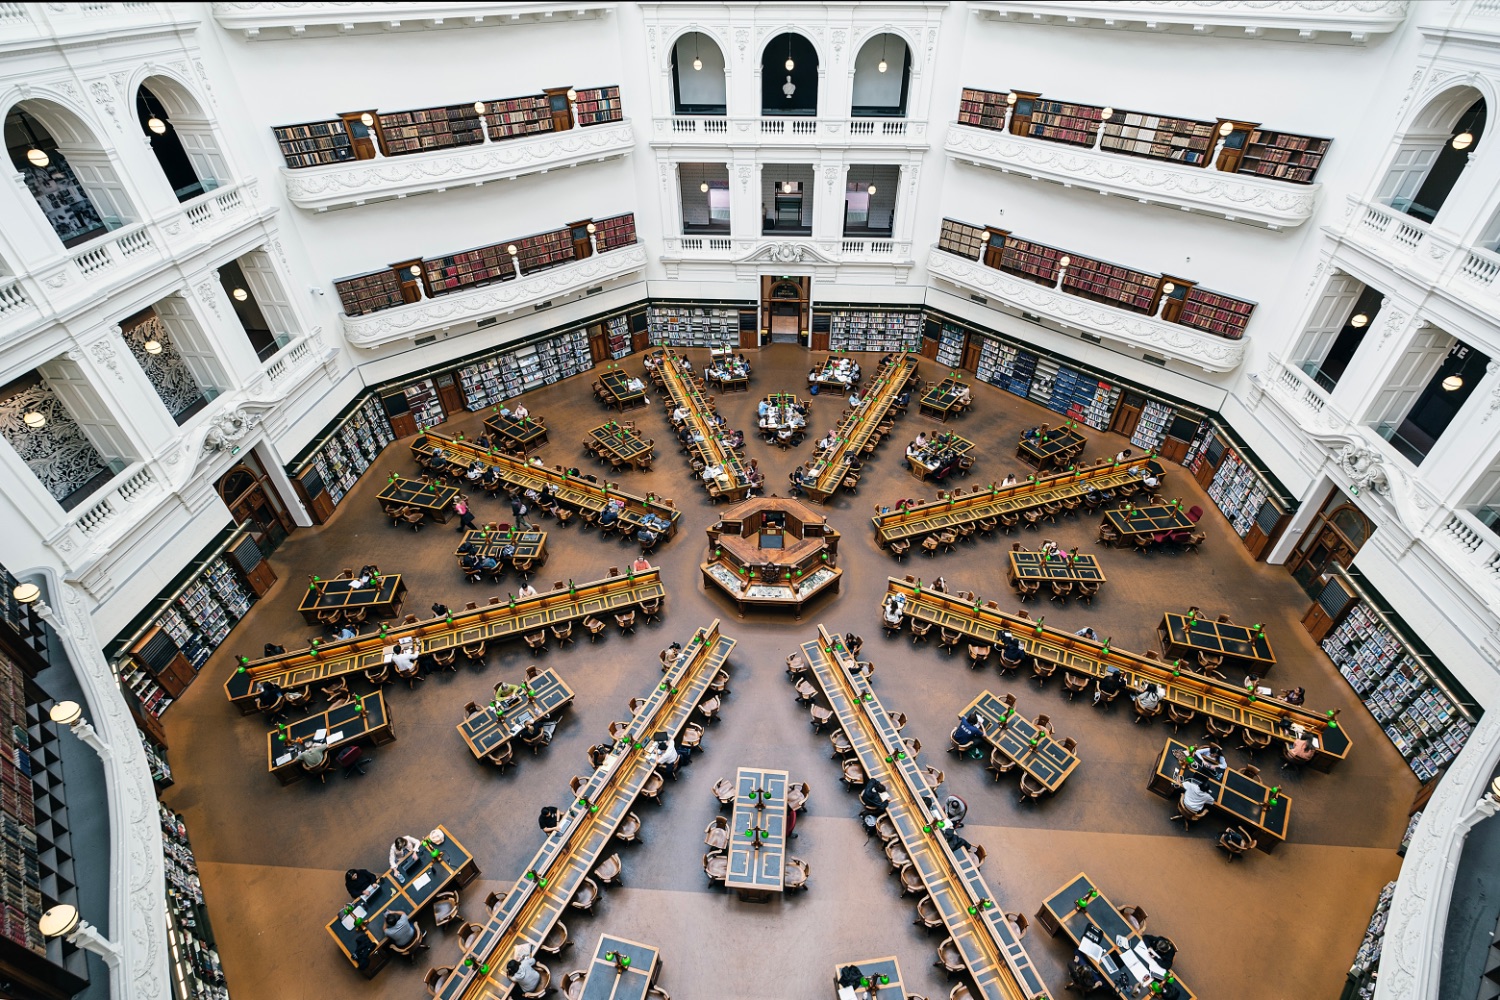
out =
column 156, row 125
column 789, row 64
column 37, row 158
column 697, row 63
column 882, row 66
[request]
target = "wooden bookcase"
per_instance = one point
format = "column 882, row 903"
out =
column 467, row 269
column 994, row 247
column 1111, row 284
column 314, row 144
column 557, row 105
column 1033, row 261
column 1020, row 111
column 615, row 231
column 1060, row 121
column 367, row 293
column 426, row 129
column 982, row 109
column 961, row 238
column 1283, row 155
column 1216, row 313
column 1172, row 310
column 598, row 105
column 544, row 250
column 517, row 116
column 1159, row 137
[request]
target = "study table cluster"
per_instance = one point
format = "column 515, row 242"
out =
column 858, row 433
column 1220, row 702
column 515, row 434
column 621, row 446
column 486, row 552
column 727, row 371
column 619, row 389
column 718, row 465
column 981, row 934
column 984, row 509
column 536, row 482
column 526, row 914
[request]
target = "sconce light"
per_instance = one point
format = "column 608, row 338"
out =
column 152, row 347
column 703, row 187
column 1064, row 260
column 415, row 270
column 871, row 189
column 1168, row 288
column 1359, row 321
column 572, row 94
column 26, row 593
column 1453, row 383
column 591, row 228
column 240, row 295
column 1106, row 114
column 1226, row 128
column 367, row 119
column 1011, row 97
column 511, row 249
column 479, row 107
column 33, row 419
column 1463, row 140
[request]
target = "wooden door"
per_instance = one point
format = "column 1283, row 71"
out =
column 362, row 137
column 994, row 248
column 598, row 343
column 413, row 279
column 450, row 394
column 562, row 110
column 578, row 232
column 1127, row 415
column 971, row 355
column 1174, row 299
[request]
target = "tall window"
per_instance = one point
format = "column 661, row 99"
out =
column 882, row 74
column 67, row 171
column 1433, row 153
column 1430, row 383
column 870, row 200
column 1344, row 313
column 704, row 189
column 786, row 199
column 699, row 86
column 788, row 76
column 181, row 136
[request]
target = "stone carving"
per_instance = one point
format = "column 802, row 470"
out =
column 345, row 183
column 741, row 39
column 1363, row 467
column 1269, row 202
column 840, row 36
column 103, row 351
column 106, row 101
column 1395, row 320
column 784, row 253
column 228, row 427
column 744, row 171
column 1206, row 350
column 206, row 294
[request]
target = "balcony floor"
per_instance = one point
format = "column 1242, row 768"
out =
column 272, row 858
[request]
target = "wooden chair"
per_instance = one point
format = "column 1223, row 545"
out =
column 413, row 517
column 795, row 874
column 556, row 940
column 586, row 896
column 1177, row 716
column 1044, row 722
column 1028, row 589
column 1221, row 730
column 930, row 545
column 611, row 871
column 1074, row 684
column 821, row 717
column 692, row 736
column 435, row 979
column 595, row 628
column 626, row 622
column 653, row 786
column 1031, row 789
column 896, row 854
column 563, row 634
column 1145, row 714
column 537, row 641
column 503, row 757
column 920, row 631
column 806, row 692
column 999, row 764
column 1042, row 669
column 1254, row 741
column 978, row 656
column 842, row 747
column 853, row 773
column 709, row 707
column 796, row 796
column 1135, row 917
column 474, row 652
column 651, row 610
column 933, row 776
column 724, row 790
column 467, row 933
column 720, row 684
column 949, row 958
column 911, row 880
column 379, row 675
column 716, row 867
column 418, row 943
column 1188, row 818
column 446, row 658
column 1018, row 923
column 898, row 549
column 542, row 988
column 572, row 987
column 928, row 914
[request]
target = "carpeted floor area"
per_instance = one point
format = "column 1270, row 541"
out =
column 1269, row 926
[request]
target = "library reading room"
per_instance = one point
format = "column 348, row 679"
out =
column 895, row 500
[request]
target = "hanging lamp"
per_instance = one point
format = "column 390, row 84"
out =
column 35, row 155
column 882, row 66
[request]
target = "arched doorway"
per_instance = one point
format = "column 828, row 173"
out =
column 882, row 75
column 789, row 76
column 1334, row 538
column 254, row 504
column 784, row 306
column 1433, row 153
column 699, row 83
column 67, row 171
column 181, row 136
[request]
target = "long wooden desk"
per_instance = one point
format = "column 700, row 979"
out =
column 489, row 623
column 382, row 598
column 680, row 389
column 621, row 970
column 856, row 430
column 823, row 378
column 525, row 434
column 1023, row 741
column 883, row 974
column 757, row 834
column 1246, row 801
column 1152, row 519
column 411, row 894
column 575, row 491
column 365, row 719
column 617, row 383
column 1205, row 695
column 624, row 445
column 1063, row 567
column 525, row 544
column 433, row 499
column 941, row 398
column 920, row 520
column 552, row 877
column 998, row 964
column 1044, row 452
column 939, row 457
column 496, row 726
column 1184, row 638
column 1060, row 912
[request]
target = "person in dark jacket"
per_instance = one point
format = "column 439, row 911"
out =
column 357, row 880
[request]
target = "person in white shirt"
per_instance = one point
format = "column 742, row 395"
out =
column 523, row 974
column 893, row 608
column 404, row 663
column 1148, row 698
column 403, row 848
column 520, row 412
column 854, row 401
column 313, row 755
column 1009, row 480
column 679, row 414
column 713, row 471
column 921, row 441
column 665, row 754
column 911, row 450
column 1123, row 456
column 963, row 395
column 527, row 590
column 1195, row 799
column 828, row 442
column 634, row 384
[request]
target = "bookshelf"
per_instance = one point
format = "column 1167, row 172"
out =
column 517, row 116
column 1426, row 719
column 951, row 338
column 1006, row 366
column 1283, row 156
column 1360, row 980
column 156, row 759
column 544, row 250
column 314, row 144
column 367, row 293
column 617, row 329
column 424, row 403
column 1159, row 137
column 1151, row 428
column 1083, row 398
column 1033, row 261
column 874, row 330
column 615, row 231
column 598, row 105
column 1220, row 314
column 1111, row 284
column 961, row 238
column 426, row 129
column 492, row 380
column 982, row 108
column 693, row 326
column 347, row 448
column 1064, row 121
column 468, row 269
column 20, row 876
column 194, row 960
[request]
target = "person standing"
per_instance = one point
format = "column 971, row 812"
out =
column 465, row 516
column 518, row 511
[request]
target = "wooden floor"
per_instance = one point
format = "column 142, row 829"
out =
column 272, row 858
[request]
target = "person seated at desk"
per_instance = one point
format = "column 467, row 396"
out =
column 685, row 435
column 735, row 439
column 641, row 565
column 1009, row 480
column 1088, row 633
column 467, row 549
column 1294, row 696
column 267, row 694
column 508, row 689
column 1049, row 547
column 272, row 649
column 1123, row 455
column 940, row 586
column 1148, row 698
column 962, row 397
column 652, row 363
column 345, row 631
column 520, row 412
column 665, row 754
column 399, row 930
column 527, row 590
column 1162, row 949
column 854, row 401
column 547, row 819
column 489, row 563
column 800, row 477
column 405, row 663
column 712, row 472
column 784, row 434
column 439, row 609
column 475, row 472
column 1209, row 762
column 483, row 441
column 873, row 796
column 645, row 535
column 313, row 755
column 893, row 608
column 968, row 732
column 1147, row 476
column 957, row 809
column 1012, row 653
column 1195, row 798
column 634, row 384
column 920, row 441
column 903, row 398
column 679, row 414
column 598, row 753
column 827, row 443
column 764, row 409
column 956, row 842
column 1082, row 975
column 403, row 848
column 1030, row 434
column 523, row 974
column 1300, row 751
column 357, row 881
column 538, row 730
column 609, row 515
column 1111, row 684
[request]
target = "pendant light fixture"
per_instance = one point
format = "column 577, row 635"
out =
column 1463, row 140
column 703, row 187
column 697, row 62
column 154, row 122
column 240, row 295
column 1359, row 321
column 1453, row 383
column 882, row 66
column 789, row 64
column 870, row 189
column 34, row 419
column 35, row 155
column 152, row 347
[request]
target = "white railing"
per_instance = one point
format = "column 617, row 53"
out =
column 290, row 20
column 1480, row 267
column 875, row 247
column 95, row 517
column 287, row 362
column 877, row 126
column 136, row 484
column 1393, row 227
column 1478, row 548
column 114, row 250
column 1419, row 253
column 752, row 130
column 20, row 22
column 13, row 298
column 706, row 126
column 1294, row 386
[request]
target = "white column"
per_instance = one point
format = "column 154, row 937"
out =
column 214, row 313
column 126, row 392
column 745, row 215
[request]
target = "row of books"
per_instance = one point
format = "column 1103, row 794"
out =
column 20, row 867
column 874, row 330
column 961, row 238
column 196, row 970
column 1151, row 427
column 693, row 326
column 505, row 375
column 1238, row 490
column 349, row 448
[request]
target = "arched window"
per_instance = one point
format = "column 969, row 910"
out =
column 789, row 76
column 182, row 137
column 67, row 171
column 882, row 74
column 699, row 86
column 1433, row 153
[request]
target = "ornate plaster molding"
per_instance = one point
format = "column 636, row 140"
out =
column 1237, row 197
column 1306, row 20
column 292, row 20
column 429, row 315
column 346, row 184
column 1183, row 343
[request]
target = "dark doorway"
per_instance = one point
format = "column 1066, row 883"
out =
column 789, row 91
